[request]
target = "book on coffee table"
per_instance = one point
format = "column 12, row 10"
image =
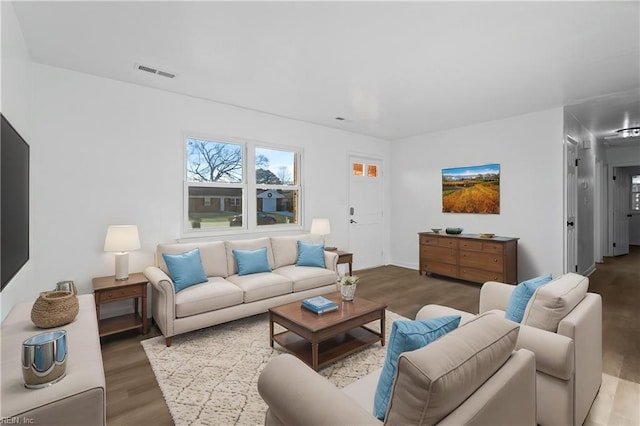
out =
column 319, row 305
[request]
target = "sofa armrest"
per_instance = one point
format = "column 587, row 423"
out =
column 331, row 260
column 297, row 395
column 163, row 303
column 494, row 295
column 554, row 352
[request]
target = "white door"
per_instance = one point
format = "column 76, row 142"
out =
column 366, row 229
column 621, row 211
column 572, row 205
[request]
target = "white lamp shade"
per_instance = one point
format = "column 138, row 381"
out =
column 122, row 238
column 320, row 226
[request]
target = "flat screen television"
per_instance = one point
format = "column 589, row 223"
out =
column 14, row 202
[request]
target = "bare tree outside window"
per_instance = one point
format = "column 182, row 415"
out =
column 213, row 161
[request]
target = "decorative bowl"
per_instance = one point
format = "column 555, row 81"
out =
column 486, row 235
column 436, row 230
column 453, row 230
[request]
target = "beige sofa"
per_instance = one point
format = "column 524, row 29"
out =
column 228, row 296
column 79, row 398
column 564, row 333
column 470, row 376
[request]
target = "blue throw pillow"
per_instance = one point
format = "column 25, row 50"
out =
column 251, row 261
column 521, row 295
column 310, row 254
column 185, row 269
column 407, row 336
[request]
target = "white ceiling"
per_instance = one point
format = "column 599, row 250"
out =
column 391, row 69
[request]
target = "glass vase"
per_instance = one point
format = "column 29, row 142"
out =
column 348, row 291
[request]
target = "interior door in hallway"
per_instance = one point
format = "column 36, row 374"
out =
column 571, row 203
column 366, row 228
column 621, row 210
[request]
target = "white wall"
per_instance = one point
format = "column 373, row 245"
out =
column 15, row 99
column 106, row 152
column 529, row 149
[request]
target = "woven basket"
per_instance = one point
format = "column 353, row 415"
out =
column 54, row 308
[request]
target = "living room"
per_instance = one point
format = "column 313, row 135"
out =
column 107, row 151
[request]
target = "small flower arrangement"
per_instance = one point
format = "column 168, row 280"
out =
column 348, row 280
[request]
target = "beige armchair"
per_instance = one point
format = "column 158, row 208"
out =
column 470, row 376
column 568, row 359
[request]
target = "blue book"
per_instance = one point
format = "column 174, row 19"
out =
column 319, row 304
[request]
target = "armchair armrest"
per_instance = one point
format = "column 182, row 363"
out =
column 163, row 303
column 495, row 295
column 331, row 260
column 554, row 352
column 584, row 326
column 297, row 395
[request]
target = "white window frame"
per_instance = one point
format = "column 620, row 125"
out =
column 248, row 185
column 634, row 195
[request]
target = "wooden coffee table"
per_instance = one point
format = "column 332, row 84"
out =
column 322, row 339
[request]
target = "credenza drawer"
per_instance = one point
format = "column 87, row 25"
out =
column 448, row 242
column 470, row 245
column 493, row 248
column 439, row 254
column 429, row 240
column 480, row 260
column 479, row 275
column 442, row 268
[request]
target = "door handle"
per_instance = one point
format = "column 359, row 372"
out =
column 352, row 221
column 570, row 223
column 629, row 215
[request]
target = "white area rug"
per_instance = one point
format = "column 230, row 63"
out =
column 210, row 376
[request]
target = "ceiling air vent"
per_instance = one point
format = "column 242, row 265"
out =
column 155, row 71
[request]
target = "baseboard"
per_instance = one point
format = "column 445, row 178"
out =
column 590, row 270
column 405, row 265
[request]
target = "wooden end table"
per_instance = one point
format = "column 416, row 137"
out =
column 108, row 289
column 345, row 257
column 319, row 340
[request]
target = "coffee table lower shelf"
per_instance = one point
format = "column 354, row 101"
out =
column 330, row 350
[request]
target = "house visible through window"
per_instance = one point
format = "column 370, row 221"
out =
column 635, row 193
column 220, row 189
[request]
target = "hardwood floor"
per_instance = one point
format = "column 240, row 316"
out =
column 134, row 398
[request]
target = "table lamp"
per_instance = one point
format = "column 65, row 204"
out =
column 321, row 226
column 121, row 239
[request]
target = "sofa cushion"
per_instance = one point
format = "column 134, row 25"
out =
column 262, row 285
column 216, row 293
column 307, row 277
column 251, row 261
column 253, row 244
column 285, row 248
column 185, row 269
column 554, row 300
column 433, row 381
column 407, row 336
column 521, row 296
column 212, row 254
column 310, row 254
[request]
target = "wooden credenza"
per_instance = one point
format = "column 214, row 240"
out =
column 469, row 257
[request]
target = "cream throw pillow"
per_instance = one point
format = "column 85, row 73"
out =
column 553, row 301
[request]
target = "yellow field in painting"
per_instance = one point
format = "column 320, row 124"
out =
column 480, row 198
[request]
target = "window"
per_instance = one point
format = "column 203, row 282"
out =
column 221, row 190
column 635, row 193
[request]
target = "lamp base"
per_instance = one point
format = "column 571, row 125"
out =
column 122, row 266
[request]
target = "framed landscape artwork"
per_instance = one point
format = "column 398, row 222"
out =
column 474, row 189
